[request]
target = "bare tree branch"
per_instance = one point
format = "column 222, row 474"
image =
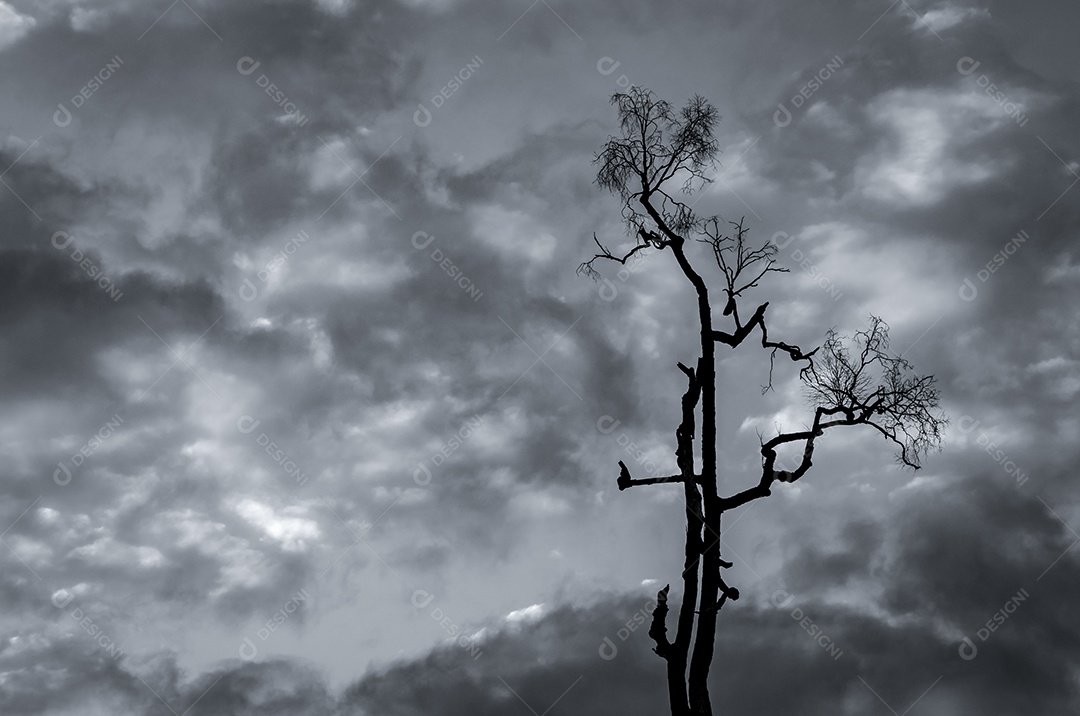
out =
column 741, row 266
column 586, row 267
column 878, row 389
column 625, row 481
column 898, row 405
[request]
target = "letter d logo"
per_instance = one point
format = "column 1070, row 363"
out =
column 422, row 475
column 608, row 291
column 968, row 292
column 62, row 116
column 61, row 475
column 968, row 650
column 246, row 424
column 248, row 650
column 788, row 238
column 421, row 598
column 423, row 236
column 422, row 116
column 61, row 598
column 967, row 65
column 247, row 65
column 781, row 598
column 967, row 424
column 781, row 117
column 606, row 65
column 63, row 236
column 248, row 292
column 607, row 424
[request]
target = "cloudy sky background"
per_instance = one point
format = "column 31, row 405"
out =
column 440, row 472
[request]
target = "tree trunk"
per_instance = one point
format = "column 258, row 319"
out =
column 701, row 659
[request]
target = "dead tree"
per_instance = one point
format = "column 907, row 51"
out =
column 659, row 159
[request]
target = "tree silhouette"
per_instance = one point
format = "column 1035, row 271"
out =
column 660, row 159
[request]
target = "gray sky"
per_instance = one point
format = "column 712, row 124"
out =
column 301, row 391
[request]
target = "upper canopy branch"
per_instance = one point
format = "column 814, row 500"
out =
column 873, row 389
column 658, row 145
column 741, row 265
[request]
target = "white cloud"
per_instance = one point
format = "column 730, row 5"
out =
column 293, row 532
column 526, row 614
column 88, row 19
column 942, row 18
column 515, row 233
column 915, row 165
column 13, row 26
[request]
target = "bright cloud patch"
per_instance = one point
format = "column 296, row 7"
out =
column 916, row 164
column 294, row 533
column 526, row 614
column 947, row 16
column 13, row 26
